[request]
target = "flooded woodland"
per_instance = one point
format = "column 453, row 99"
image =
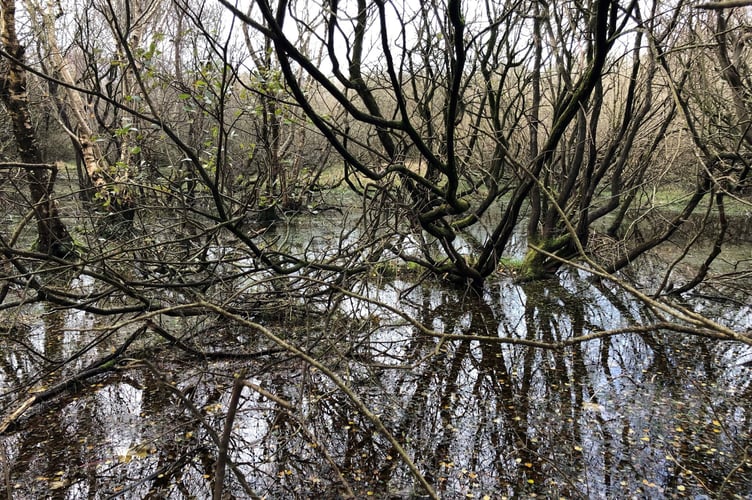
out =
column 432, row 249
column 557, row 392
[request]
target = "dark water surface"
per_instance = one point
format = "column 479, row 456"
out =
column 658, row 415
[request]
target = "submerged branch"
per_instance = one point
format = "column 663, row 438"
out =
column 339, row 382
column 701, row 325
column 107, row 364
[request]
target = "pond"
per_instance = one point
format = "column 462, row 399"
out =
column 638, row 415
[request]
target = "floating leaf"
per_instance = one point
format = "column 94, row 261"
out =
column 56, row 485
column 213, row 408
column 137, row 451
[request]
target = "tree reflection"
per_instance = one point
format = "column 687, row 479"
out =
column 480, row 413
column 593, row 419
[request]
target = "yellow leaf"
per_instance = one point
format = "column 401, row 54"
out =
column 56, row 485
column 139, row 451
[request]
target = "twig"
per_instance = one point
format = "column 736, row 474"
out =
column 103, row 365
column 268, row 395
column 13, row 164
column 199, row 417
column 211, row 354
column 729, row 4
column 168, row 468
column 224, row 442
column 293, row 414
column 6, row 473
column 340, row 383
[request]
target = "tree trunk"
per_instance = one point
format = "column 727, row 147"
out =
column 53, row 237
column 111, row 193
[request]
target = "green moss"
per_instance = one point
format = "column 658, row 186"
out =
column 393, row 269
column 511, row 263
column 537, row 265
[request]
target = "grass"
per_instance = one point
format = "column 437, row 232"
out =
column 673, row 198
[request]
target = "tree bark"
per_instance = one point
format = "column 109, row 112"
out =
column 114, row 198
column 53, row 236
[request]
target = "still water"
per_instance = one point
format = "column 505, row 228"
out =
column 650, row 415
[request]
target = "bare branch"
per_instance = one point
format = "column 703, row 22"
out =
column 730, row 4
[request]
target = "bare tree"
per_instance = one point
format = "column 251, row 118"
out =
column 459, row 129
column 470, row 119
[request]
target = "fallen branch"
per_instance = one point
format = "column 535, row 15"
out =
column 108, row 363
column 4, row 165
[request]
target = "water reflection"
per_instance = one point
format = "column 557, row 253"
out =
column 649, row 416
